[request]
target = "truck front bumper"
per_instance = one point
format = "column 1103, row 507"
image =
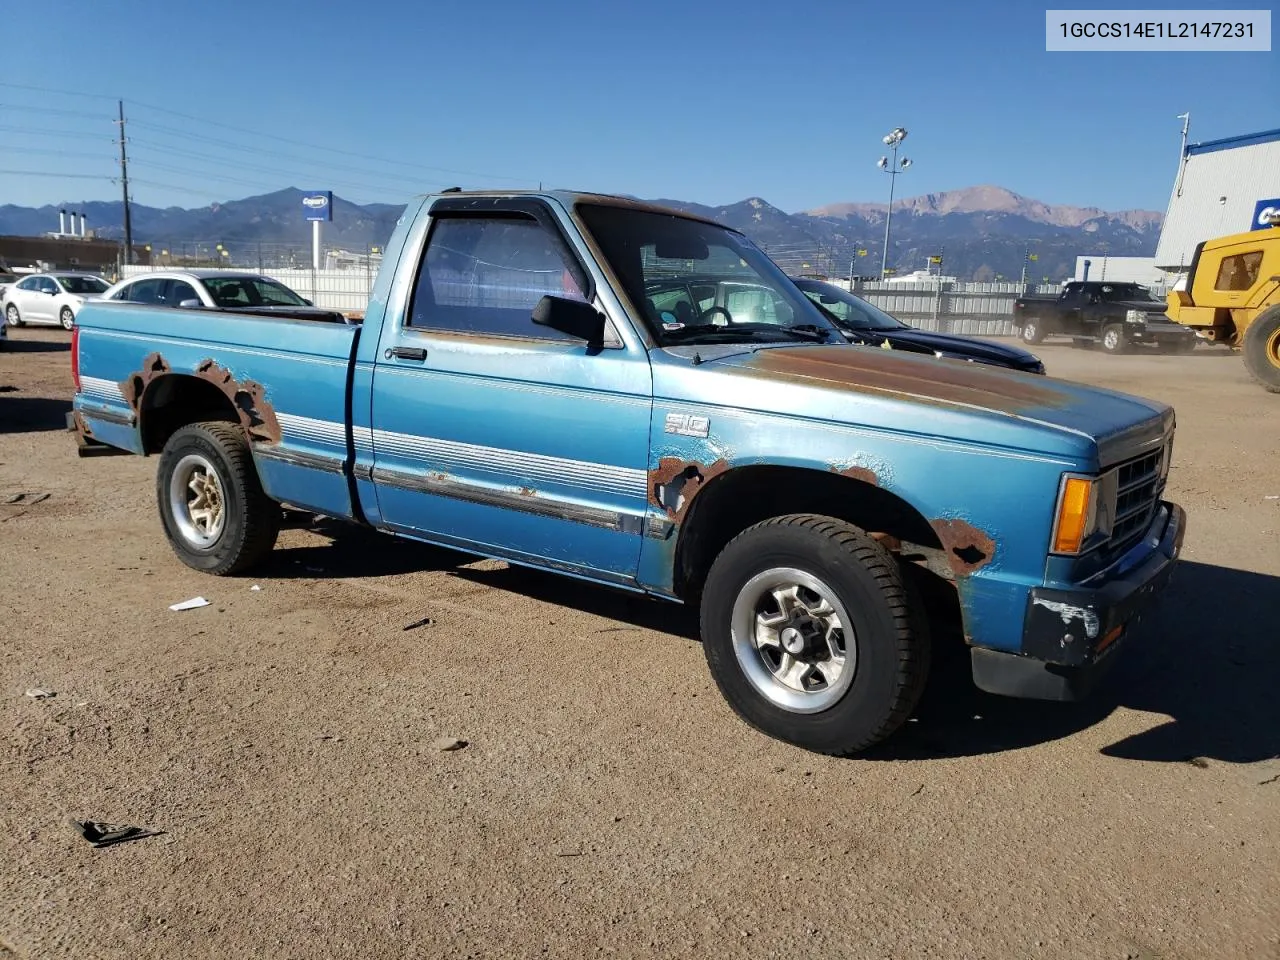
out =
column 1071, row 637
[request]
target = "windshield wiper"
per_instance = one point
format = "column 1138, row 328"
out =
column 737, row 332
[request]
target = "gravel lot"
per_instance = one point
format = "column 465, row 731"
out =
column 607, row 801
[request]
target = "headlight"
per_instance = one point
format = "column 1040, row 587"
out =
column 1076, row 518
column 1135, row 316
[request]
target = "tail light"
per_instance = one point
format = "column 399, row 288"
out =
column 75, row 357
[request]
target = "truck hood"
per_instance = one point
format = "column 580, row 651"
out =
column 980, row 403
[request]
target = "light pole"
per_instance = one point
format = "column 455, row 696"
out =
column 892, row 167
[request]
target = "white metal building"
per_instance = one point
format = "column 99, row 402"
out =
column 1220, row 188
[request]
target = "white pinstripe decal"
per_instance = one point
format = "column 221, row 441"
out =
column 100, row 389
column 451, row 453
column 579, row 473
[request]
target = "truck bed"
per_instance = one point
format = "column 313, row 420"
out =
column 289, row 381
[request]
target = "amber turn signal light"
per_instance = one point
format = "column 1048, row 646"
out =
column 1073, row 515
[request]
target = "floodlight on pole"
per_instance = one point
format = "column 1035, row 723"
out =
column 893, row 167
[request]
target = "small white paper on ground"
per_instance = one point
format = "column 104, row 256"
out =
column 189, row 604
column 255, row 588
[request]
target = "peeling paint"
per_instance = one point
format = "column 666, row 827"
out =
column 82, row 425
column 257, row 416
column 968, row 548
column 865, row 474
column 1068, row 613
column 674, row 483
column 526, row 491
column 864, row 371
column 135, row 385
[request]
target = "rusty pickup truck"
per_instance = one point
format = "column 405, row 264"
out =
column 513, row 392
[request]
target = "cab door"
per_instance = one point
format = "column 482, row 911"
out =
column 492, row 433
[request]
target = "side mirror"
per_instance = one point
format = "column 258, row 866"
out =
column 577, row 318
column 307, row 302
column 190, row 304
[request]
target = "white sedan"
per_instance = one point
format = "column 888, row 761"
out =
column 50, row 298
column 225, row 289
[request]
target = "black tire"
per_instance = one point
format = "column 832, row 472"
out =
column 252, row 520
column 67, row 318
column 12, row 316
column 891, row 643
column 1031, row 332
column 1113, row 339
column 1261, row 349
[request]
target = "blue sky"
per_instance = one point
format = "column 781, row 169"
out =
column 710, row 102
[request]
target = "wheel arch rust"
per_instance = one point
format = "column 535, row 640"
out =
column 164, row 399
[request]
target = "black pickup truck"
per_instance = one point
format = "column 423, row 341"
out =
column 1115, row 315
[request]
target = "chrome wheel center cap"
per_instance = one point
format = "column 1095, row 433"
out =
column 792, row 641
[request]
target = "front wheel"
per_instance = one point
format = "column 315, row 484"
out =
column 215, row 513
column 66, row 318
column 1261, row 349
column 808, row 633
column 12, row 316
column 1032, row 332
column 1113, row 338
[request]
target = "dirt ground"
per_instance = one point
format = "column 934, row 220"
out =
column 607, row 800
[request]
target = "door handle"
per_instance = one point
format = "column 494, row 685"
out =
column 407, row 353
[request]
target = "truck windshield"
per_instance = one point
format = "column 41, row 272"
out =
column 697, row 282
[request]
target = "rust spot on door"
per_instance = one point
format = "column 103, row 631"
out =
column 673, row 483
column 257, row 416
column 968, row 549
column 135, row 385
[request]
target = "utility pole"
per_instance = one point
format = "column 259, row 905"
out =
column 124, row 183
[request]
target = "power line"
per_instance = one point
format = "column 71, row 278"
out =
column 220, row 144
column 73, row 134
column 80, row 114
column 67, row 176
column 54, row 153
column 61, row 93
column 316, row 146
column 259, row 135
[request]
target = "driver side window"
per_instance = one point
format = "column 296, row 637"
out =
column 484, row 275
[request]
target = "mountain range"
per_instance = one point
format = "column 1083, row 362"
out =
column 980, row 232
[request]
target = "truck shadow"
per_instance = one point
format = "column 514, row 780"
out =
column 36, row 346
column 1206, row 657
column 32, row 414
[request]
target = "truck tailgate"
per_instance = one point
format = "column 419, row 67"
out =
column 287, row 379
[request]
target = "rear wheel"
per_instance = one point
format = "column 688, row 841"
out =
column 1031, row 331
column 808, row 632
column 12, row 316
column 1261, row 349
column 66, row 318
column 1113, row 340
column 215, row 513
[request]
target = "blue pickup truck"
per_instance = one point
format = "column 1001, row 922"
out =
column 513, row 391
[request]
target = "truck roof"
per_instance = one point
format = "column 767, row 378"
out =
column 571, row 197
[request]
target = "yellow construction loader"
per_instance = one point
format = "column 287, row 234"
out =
column 1232, row 296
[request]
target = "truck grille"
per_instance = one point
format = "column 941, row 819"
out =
column 1140, row 483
